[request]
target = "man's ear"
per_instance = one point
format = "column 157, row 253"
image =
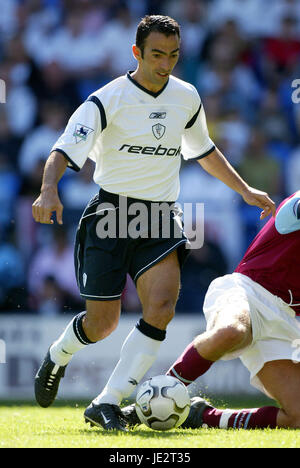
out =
column 137, row 53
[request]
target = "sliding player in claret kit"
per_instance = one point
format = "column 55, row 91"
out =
column 135, row 129
column 250, row 314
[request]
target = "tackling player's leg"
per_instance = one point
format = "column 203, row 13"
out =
column 230, row 331
column 281, row 379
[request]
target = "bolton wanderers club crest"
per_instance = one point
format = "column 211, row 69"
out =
column 158, row 130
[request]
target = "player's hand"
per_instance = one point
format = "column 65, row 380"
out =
column 47, row 203
column 261, row 199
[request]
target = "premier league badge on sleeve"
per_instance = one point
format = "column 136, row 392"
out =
column 81, row 132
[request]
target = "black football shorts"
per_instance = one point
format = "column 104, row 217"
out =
column 117, row 235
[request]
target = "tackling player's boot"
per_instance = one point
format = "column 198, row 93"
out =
column 109, row 417
column 47, row 381
column 130, row 414
column 195, row 417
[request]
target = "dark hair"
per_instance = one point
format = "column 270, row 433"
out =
column 155, row 23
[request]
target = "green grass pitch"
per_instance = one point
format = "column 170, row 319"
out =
column 28, row 426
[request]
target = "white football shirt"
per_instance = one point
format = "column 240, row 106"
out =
column 136, row 137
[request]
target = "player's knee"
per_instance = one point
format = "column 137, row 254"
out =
column 164, row 309
column 159, row 312
column 231, row 336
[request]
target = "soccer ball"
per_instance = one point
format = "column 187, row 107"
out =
column 162, row 403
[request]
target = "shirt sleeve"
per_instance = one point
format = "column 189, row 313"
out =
column 288, row 216
column 196, row 143
column 80, row 134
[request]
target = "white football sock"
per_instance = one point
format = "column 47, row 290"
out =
column 71, row 340
column 138, row 353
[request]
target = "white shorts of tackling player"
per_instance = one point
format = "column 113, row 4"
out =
column 275, row 329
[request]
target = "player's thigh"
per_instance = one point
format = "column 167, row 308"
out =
column 281, row 379
column 158, row 290
column 102, row 317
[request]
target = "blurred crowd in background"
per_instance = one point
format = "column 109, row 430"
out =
column 242, row 56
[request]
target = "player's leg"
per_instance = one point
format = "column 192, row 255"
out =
column 154, row 266
column 282, row 380
column 158, row 290
column 279, row 375
column 98, row 278
column 229, row 331
column 101, row 319
column 97, row 322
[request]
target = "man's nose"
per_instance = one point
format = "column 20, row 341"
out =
column 165, row 64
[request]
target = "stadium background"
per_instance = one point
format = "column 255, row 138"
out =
column 242, row 56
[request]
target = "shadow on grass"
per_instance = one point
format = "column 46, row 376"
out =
column 217, row 401
column 57, row 404
column 143, row 433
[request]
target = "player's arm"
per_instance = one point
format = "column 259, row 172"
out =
column 217, row 165
column 197, row 145
column 48, row 201
column 288, row 216
column 71, row 150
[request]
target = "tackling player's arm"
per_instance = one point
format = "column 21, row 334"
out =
column 217, row 165
column 288, row 216
column 48, row 200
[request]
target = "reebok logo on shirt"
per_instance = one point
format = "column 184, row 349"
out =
column 151, row 150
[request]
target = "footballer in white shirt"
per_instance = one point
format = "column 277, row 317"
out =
column 135, row 129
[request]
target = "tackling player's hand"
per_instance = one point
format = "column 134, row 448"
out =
column 47, row 203
column 261, row 199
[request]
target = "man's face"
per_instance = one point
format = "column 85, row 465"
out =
column 160, row 56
